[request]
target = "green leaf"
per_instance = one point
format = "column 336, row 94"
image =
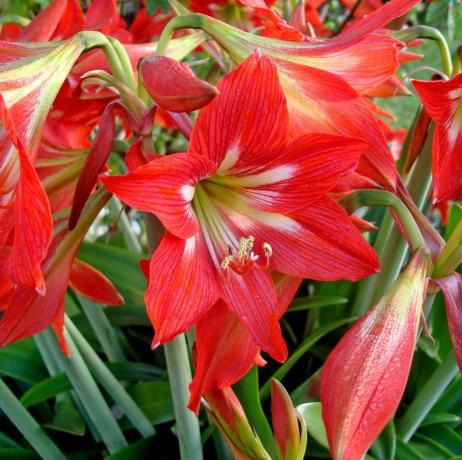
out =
column 59, row 383
column 67, row 419
column 406, row 452
column 300, row 351
column 120, row 266
column 154, row 399
column 311, row 412
column 47, row 388
column 154, row 4
column 6, row 441
column 384, row 447
column 436, row 418
column 21, row 361
column 18, row 454
column 429, row 448
column 128, row 316
column 451, row 399
column 445, row 436
column 316, row 301
column 143, row 448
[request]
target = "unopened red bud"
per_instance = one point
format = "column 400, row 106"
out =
column 174, row 86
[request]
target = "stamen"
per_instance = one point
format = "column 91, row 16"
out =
column 268, row 251
column 245, row 247
column 226, row 262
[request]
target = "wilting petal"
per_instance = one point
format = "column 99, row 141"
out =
column 182, row 286
column 253, row 298
column 285, row 422
column 452, row 290
column 164, row 187
column 93, row 284
column 365, row 375
column 443, row 102
column 225, row 352
column 308, row 169
column 173, row 85
column 248, row 120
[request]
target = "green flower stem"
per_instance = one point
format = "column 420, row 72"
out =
column 390, row 245
column 110, row 383
column 384, row 198
column 427, row 397
column 429, row 33
column 114, row 61
column 125, row 63
column 45, row 353
column 451, row 255
column 87, row 391
column 130, row 238
column 103, row 329
column 247, row 392
column 179, row 372
column 193, row 21
column 27, row 425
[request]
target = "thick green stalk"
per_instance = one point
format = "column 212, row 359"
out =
column 179, row 373
column 427, row 397
column 87, row 391
column 103, row 329
column 124, row 60
column 27, row 425
column 110, row 383
column 451, row 255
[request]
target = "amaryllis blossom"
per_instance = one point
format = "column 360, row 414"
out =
column 243, row 200
column 364, row 377
column 324, row 79
column 443, row 102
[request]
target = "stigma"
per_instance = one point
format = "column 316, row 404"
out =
column 245, row 258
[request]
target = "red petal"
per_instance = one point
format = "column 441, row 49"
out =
column 225, row 349
column 102, row 15
column 253, row 298
column 95, row 162
column 452, row 290
column 442, row 100
column 308, row 169
column 93, row 284
column 164, row 187
column 364, row 377
column 173, row 85
column 182, row 286
column 248, row 120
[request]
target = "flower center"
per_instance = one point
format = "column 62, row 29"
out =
column 227, row 250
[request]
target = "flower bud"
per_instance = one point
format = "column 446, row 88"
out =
column 174, row 86
column 364, row 377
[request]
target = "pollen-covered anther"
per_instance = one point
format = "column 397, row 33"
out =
column 268, row 251
column 226, row 262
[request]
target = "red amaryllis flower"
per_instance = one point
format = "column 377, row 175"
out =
column 323, row 79
column 443, row 102
column 364, row 377
column 242, row 200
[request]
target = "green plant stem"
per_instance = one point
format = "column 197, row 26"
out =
column 247, row 392
column 27, row 425
column 430, row 33
column 103, row 329
column 179, row 372
column 427, row 397
column 87, row 391
column 451, row 255
column 110, row 383
column 390, row 245
column 130, row 238
column 125, row 64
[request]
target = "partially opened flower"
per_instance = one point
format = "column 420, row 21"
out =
column 245, row 199
column 443, row 102
column 364, row 377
